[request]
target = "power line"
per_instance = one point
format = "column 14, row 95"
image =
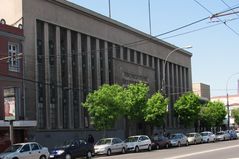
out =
column 217, row 17
column 229, row 7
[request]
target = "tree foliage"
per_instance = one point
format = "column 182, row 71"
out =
column 187, row 108
column 213, row 114
column 155, row 109
column 104, row 106
column 235, row 115
column 135, row 100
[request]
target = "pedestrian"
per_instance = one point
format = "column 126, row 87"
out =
column 91, row 139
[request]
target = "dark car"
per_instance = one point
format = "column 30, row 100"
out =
column 160, row 141
column 72, row 149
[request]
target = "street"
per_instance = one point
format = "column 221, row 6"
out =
column 218, row 150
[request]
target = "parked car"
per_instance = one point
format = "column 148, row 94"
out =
column 139, row 142
column 110, row 145
column 208, row 136
column 222, row 136
column 160, row 141
column 194, row 138
column 178, row 139
column 237, row 131
column 233, row 134
column 29, row 150
column 72, row 149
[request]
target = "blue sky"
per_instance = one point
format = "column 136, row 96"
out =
column 215, row 49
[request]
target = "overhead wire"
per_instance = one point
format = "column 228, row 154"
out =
column 236, row 33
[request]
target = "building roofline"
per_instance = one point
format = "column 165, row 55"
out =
column 117, row 23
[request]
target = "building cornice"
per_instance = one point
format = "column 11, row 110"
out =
column 115, row 23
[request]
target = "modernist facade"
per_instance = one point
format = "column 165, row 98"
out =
column 70, row 51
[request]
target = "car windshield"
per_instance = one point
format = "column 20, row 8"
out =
column 190, row 135
column 220, row 133
column 132, row 139
column 65, row 144
column 104, row 142
column 174, row 136
column 13, row 148
column 204, row 134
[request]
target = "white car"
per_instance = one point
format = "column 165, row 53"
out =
column 208, row 136
column 194, row 138
column 110, row 145
column 29, row 150
column 139, row 142
column 237, row 131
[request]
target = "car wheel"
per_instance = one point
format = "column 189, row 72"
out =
column 167, row 146
column 108, row 152
column 136, row 149
column 149, row 148
column 89, row 154
column 207, row 140
column 68, row 156
column 15, row 158
column 195, row 142
column 157, row 147
column 187, row 143
column 123, row 150
column 179, row 144
column 42, row 157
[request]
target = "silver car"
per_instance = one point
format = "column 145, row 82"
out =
column 138, row 142
column 194, row 138
column 29, row 150
column 178, row 139
column 110, row 145
column 222, row 136
column 208, row 136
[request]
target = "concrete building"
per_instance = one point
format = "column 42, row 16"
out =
column 202, row 90
column 70, row 51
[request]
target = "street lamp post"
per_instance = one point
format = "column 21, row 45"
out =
column 163, row 87
column 228, row 106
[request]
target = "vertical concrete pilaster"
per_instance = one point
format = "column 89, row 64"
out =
column 97, row 56
column 59, row 80
column 70, row 84
column 106, row 63
column 47, row 74
column 89, row 69
column 80, row 81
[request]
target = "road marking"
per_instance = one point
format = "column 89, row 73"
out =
column 202, row 152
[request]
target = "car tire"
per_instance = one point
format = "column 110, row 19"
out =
column 157, row 146
column 123, row 150
column 136, row 149
column 187, row 143
column 43, row 157
column 68, row 156
column 15, row 158
column 149, row 148
column 194, row 142
column 89, row 154
column 108, row 152
column 179, row 144
column 207, row 140
column 167, row 146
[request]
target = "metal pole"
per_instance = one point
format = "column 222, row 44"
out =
column 228, row 106
column 228, row 113
column 149, row 6
column 11, row 133
column 109, row 9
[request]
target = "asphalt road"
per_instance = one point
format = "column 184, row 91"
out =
column 218, row 150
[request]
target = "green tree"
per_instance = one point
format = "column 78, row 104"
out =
column 105, row 106
column 135, row 100
column 187, row 108
column 235, row 115
column 213, row 114
column 155, row 110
